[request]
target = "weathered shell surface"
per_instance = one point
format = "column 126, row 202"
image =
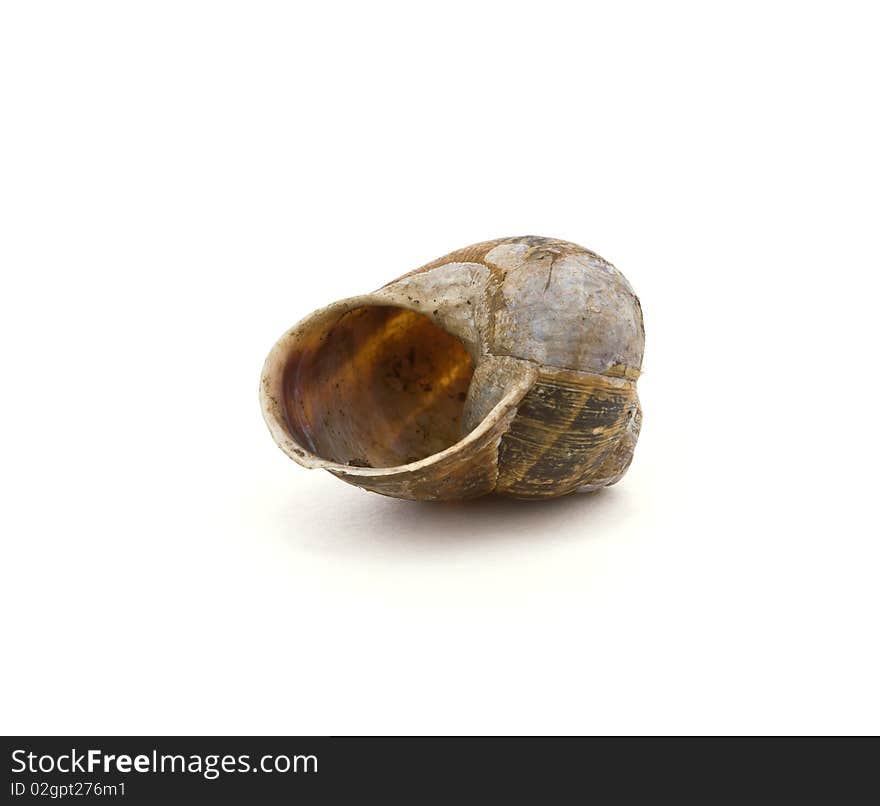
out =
column 509, row 366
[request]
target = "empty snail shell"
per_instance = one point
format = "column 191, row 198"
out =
column 509, row 366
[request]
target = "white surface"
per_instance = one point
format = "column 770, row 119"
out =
column 181, row 182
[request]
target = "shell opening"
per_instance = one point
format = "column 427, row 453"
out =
column 381, row 386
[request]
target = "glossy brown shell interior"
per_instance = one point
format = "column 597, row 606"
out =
column 383, row 387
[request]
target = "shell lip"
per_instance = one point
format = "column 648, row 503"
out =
column 271, row 396
column 306, row 458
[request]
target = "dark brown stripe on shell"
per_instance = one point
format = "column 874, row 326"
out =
column 566, row 427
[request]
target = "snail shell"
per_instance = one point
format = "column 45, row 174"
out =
column 509, row 366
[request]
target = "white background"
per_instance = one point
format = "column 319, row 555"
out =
column 181, row 182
